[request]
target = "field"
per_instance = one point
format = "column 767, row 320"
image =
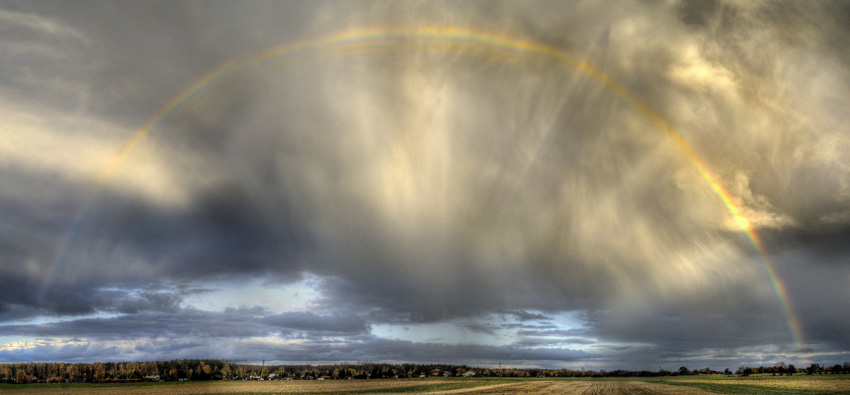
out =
column 690, row 385
column 807, row 385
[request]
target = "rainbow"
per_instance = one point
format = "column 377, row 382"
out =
column 448, row 38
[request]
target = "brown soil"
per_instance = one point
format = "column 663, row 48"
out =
column 212, row 387
column 796, row 383
column 524, row 387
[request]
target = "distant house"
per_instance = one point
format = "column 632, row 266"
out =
column 256, row 378
column 272, row 376
column 469, row 374
column 152, row 378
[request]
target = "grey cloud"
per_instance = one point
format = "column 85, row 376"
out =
column 523, row 315
column 169, row 348
column 217, row 331
column 138, row 326
column 311, row 197
column 75, row 350
column 527, row 327
column 533, row 341
column 139, row 320
column 479, row 328
column 147, row 301
column 812, row 281
column 318, row 324
column 697, row 14
column 550, row 331
column 359, row 348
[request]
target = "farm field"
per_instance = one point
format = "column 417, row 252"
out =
column 240, row 387
column 644, row 386
column 369, row 387
column 770, row 385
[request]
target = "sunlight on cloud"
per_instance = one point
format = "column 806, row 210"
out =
column 439, row 166
column 30, row 344
column 695, row 72
column 50, row 27
column 443, row 333
column 21, row 344
column 79, row 151
column 756, row 209
column 297, row 296
column 417, row 162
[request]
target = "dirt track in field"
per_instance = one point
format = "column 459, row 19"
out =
column 580, row 388
column 279, row 387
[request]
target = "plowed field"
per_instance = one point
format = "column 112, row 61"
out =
column 370, row 386
column 824, row 384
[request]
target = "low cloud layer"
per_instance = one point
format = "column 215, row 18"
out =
column 438, row 198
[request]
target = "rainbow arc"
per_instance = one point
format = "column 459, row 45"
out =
column 436, row 37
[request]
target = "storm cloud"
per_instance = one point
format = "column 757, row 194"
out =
column 428, row 197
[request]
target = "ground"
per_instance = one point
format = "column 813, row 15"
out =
column 583, row 388
column 643, row 386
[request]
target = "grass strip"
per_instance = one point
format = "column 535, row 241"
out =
column 81, row 385
column 751, row 389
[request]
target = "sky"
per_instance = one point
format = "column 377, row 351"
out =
column 629, row 185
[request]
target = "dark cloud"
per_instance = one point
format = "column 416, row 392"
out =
column 523, row 315
column 548, row 339
column 317, row 324
column 479, row 328
column 697, row 14
column 150, row 325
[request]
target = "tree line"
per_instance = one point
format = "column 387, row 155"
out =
column 211, row 369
